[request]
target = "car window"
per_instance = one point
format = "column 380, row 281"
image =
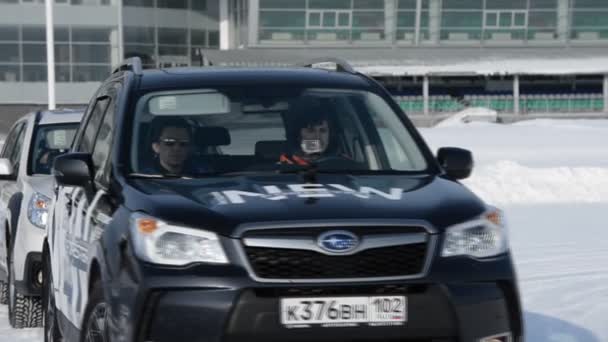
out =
column 49, row 142
column 92, row 127
column 15, row 155
column 103, row 144
column 254, row 130
column 9, row 143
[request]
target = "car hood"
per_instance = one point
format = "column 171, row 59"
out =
column 222, row 204
column 42, row 184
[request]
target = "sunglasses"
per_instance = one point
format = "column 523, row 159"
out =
column 173, row 142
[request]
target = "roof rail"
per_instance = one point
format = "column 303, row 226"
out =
column 131, row 64
column 341, row 64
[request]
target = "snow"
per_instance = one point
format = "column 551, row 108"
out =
column 8, row 334
column 469, row 115
column 551, row 179
column 494, row 66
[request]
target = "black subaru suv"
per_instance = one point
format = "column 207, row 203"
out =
column 295, row 204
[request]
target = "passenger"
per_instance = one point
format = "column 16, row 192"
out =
column 311, row 136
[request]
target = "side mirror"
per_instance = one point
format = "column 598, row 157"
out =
column 6, row 169
column 73, row 169
column 457, row 162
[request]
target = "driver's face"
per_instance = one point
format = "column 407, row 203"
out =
column 316, row 132
column 173, row 147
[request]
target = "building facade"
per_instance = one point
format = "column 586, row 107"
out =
column 412, row 23
column 92, row 36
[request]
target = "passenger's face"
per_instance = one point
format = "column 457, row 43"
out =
column 173, row 148
column 315, row 138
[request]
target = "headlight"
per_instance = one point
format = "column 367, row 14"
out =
column 37, row 210
column 480, row 238
column 158, row 242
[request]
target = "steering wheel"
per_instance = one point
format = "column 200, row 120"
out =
column 338, row 163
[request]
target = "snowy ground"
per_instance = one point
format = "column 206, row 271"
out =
column 551, row 178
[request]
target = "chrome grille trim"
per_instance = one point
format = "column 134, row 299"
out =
column 239, row 245
column 310, row 244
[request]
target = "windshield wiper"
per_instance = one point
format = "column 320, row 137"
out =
column 292, row 168
column 308, row 172
column 157, row 176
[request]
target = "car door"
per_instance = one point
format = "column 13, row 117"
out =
column 7, row 151
column 101, row 208
column 70, row 249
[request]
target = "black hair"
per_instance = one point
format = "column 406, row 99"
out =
column 307, row 112
column 159, row 124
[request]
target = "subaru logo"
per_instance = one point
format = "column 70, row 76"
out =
column 338, row 241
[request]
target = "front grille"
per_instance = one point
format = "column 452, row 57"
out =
column 316, row 231
column 276, row 263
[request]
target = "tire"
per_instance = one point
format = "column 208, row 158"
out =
column 95, row 319
column 3, row 292
column 51, row 326
column 23, row 311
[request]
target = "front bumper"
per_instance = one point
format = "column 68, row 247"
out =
column 461, row 299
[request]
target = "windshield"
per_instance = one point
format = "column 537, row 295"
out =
column 50, row 141
column 218, row 131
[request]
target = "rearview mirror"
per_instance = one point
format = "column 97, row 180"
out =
column 457, row 162
column 73, row 169
column 6, row 169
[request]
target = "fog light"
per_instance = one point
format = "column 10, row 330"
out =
column 506, row 337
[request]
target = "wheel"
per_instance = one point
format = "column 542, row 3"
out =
column 3, row 292
column 95, row 329
column 23, row 311
column 51, row 328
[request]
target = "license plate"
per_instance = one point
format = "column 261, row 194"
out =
column 343, row 311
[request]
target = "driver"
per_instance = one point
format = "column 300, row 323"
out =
column 173, row 147
column 310, row 137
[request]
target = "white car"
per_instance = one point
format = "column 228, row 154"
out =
column 26, row 188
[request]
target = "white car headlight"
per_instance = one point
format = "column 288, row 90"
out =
column 158, row 242
column 483, row 237
column 37, row 210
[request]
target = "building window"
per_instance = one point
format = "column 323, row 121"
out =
column 176, row 4
column 9, row 52
column 589, row 20
column 328, row 19
column 590, row 4
column 138, row 3
column 199, row 5
column 506, row 19
column 282, row 4
column 34, row 73
column 9, row 73
column 322, row 21
column 506, row 4
column 461, row 20
column 406, row 21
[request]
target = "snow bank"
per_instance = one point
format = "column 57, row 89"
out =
column 468, row 115
column 496, row 66
column 508, row 182
column 532, row 162
column 534, row 143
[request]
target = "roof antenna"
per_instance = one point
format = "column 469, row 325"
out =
column 203, row 60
